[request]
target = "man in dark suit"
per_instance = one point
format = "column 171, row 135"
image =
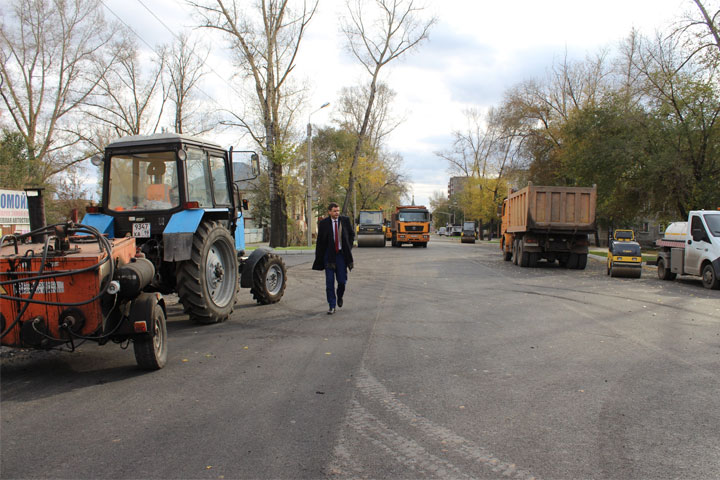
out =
column 333, row 253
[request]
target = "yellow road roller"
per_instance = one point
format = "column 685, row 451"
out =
column 370, row 229
column 624, row 255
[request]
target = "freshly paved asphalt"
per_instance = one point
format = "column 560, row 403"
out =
column 445, row 362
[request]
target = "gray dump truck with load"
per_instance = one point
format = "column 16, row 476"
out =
column 551, row 223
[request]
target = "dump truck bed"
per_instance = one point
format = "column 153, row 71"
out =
column 552, row 209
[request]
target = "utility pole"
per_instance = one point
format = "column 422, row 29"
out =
column 308, row 179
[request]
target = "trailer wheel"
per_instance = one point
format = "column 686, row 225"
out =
column 269, row 279
column 709, row 279
column 208, row 282
column 663, row 272
column 151, row 348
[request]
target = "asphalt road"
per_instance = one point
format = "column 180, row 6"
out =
column 445, row 362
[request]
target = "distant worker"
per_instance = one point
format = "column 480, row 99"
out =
column 333, row 253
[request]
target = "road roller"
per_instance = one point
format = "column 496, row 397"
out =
column 370, row 229
column 624, row 255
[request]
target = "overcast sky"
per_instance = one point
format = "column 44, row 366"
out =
column 477, row 50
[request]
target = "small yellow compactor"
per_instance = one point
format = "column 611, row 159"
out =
column 624, row 255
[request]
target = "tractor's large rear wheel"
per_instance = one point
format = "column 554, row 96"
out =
column 269, row 279
column 207, row 284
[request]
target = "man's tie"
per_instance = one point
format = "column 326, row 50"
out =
column 337, row 244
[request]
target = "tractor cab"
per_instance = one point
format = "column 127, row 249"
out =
column 178, row 196
column 149, row 180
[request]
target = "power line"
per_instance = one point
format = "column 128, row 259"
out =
column 209, row 67
column 192, row 52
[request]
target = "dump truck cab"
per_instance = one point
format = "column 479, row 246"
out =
column 410, row 224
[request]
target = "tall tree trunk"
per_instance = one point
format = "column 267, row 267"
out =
column 358, row 146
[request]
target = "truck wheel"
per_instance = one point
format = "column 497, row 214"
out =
column 151, row 348
column 515, row 252
column 524, row 257
column 663, row 272
column 582, row 261
column 608, row 266
column 533, row 260
column 269, row 279
column 709, row 279
column 572, row 262
column 208, row 282
column 507, row 256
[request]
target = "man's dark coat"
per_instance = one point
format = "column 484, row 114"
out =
column 325, row 242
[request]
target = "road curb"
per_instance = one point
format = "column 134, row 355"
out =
column 289, row 252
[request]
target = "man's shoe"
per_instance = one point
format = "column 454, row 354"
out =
column 331, row 311
column 339, row 301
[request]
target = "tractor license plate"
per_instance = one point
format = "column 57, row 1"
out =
column 141, row 230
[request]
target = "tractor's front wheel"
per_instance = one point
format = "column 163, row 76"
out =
column 207, row 284
column 269, row 279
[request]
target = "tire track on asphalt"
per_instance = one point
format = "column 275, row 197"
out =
column 372, row 401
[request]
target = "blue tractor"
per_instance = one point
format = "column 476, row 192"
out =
column 178, row 196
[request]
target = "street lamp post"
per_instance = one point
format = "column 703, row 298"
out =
column 449, row 214
column 308, row 178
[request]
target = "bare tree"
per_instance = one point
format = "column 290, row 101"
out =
column 353, row 102
column 700, row 31
column 185, row 68
column 266, row 40
column 130, row 98
column 377, row 37
column 49, row 61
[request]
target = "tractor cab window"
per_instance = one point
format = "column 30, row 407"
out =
column 219, row 178
column 143, row 181
column 198, row 178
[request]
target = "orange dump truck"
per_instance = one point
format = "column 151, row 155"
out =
column 551, row 223
column 410, row 224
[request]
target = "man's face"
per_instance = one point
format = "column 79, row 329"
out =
column 334, row 212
